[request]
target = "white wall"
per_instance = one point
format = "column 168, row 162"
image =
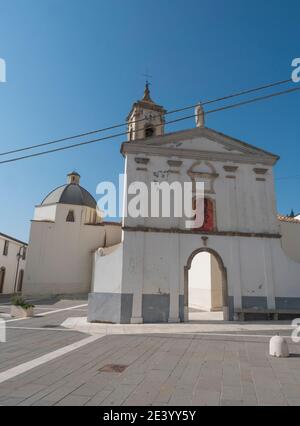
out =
column 45, row 213
column 291, row 239
column 243, row 204
column 10, row 263
column 60, row 255
column 107, row 270
column 256, row 267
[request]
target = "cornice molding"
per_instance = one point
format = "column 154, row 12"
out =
column 138, row 148
column 197, row 232
column 259, row 171
column 230, row 169
column 140, row 160
column 174, row 163
column 228, row 142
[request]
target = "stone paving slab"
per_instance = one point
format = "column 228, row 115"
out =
column 162, row 369
column 268, row 329
column 182, row 364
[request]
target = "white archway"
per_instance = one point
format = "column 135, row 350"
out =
column 212, row 293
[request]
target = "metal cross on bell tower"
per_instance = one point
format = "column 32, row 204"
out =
column 148, row 76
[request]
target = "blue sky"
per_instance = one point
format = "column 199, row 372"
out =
column 74, row 66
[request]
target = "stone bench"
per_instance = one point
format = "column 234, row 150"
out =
column 271, row 314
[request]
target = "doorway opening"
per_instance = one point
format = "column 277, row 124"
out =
column 206, row 296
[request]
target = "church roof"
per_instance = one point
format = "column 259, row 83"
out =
column 71, row 193
column 8, row 237
column 179, row 144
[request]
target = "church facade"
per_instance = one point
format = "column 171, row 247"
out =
column 146, row 277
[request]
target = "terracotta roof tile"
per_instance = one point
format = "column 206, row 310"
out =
column 282, row 218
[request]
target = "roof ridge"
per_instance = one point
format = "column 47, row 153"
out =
column 13, row 239
column 51, row 192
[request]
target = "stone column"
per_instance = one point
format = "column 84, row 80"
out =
column 235, row 278
column 174, row 280
column 137, row 285
column 268, row 265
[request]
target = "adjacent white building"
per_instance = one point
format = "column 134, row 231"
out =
column 12, row 264
column 290, row 231
column 66, row 230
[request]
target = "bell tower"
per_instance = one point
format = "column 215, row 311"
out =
column 146, row 118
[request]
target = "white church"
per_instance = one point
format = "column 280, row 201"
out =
column 244, row 260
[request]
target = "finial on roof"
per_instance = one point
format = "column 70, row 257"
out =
column 73, row 177
column 147, row 96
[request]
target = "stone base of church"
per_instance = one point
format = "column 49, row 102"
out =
column 261, row 303
column 256, row 309
column 113, row 308
column 259, row 282
column 117, row 308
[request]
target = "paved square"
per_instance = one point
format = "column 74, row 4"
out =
column 162, row 369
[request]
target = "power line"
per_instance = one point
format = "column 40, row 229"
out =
column 250, row 101
column 169, row 122
column 242, row 93
column 208, row 102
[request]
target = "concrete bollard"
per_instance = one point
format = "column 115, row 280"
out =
column 279, row 347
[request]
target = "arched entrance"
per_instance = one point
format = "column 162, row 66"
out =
column 2, row 278
column 217, row 295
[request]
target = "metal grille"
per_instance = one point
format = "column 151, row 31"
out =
column 113, row 368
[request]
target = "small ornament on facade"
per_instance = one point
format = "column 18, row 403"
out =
column 205, row 241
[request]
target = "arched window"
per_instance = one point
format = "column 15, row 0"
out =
column 5, row 248
column 2, row 279
column 71, row 216
column 209, row 221
column 20, row 281
column 149, row 132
